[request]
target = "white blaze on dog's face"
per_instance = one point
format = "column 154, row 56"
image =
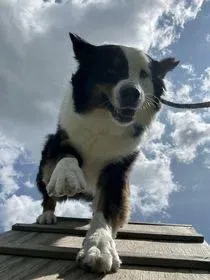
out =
column 116, row 78
column 129, row 94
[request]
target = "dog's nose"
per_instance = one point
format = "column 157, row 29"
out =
column 129, row 97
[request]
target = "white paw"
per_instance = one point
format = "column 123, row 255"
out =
column 47, row 217
column 99, row 253
column 66, row 179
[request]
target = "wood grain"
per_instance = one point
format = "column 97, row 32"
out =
column 134, row 231
column 48, row 269
column 87, row 220
column 148, row 251
column 145, row 247
column 128, row 258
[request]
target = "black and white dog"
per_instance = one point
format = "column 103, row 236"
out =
column 113, row 97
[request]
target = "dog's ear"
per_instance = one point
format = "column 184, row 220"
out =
column 81, row 47
column 166, row 65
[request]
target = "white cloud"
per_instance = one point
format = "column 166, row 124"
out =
column 29, row 184
column 185, row 11
column 154, row 132
column 207, row 38
column 10, row 151
column 206, row 80
column 190, row 132
column 177, row 15
column 195, row 89
column 183, row 93
column 188, row 68
column 74, row 208
column 24, row 209
column 152, row 179
column 20, row 209
column 206, row 153
column 152, row 184
column 90, row 2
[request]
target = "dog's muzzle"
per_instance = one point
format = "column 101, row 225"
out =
column 129, row 97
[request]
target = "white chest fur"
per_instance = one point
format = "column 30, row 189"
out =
column 97, row 137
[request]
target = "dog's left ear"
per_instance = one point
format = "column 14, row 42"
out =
column 166, row 65
column 81, row 47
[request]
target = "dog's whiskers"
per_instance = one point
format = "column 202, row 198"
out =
column 151, row 99
column 147, row 105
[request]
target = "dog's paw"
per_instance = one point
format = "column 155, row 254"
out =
column 99, row 253
column 66, row 179
column 47, row 217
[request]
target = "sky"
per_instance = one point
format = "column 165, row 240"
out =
column 170, row 180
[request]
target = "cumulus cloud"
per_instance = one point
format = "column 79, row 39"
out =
column 183, row 93
column 188, row 68
column 177, row 15
column 20, row 209
column 155, row 132
column 190, row 132
column 152, row 184
column 24, row 209
column 152, row 178
column 29, row 184
column 207, row 38
column 10, row 151
column 206, row 153
column 195, row 88
column 206, row 80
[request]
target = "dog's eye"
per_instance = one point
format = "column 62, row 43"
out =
column 143, row 74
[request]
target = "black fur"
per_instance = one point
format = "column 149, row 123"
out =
column 104, row 65
column 158, row 83
column 113, row 182
column 57, row 146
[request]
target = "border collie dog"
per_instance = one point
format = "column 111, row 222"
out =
column 113, row 97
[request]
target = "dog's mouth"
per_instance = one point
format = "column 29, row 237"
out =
column 123, row 115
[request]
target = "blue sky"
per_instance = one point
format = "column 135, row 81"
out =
column 170, row 181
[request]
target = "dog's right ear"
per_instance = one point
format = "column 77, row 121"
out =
column 81, row 47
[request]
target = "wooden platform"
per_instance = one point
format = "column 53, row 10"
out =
column 148, row 251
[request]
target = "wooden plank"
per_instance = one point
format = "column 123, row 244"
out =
column 143, row 247
column 87, row 220
column 134, row 227
column 49, row 269
column 127, row 258
column 135, row 232
column 21, row 268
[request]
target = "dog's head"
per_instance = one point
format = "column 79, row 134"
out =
column 116, row 78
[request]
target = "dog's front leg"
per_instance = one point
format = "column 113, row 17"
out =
column 98, row 253
column 67, row 179
column 111, row 206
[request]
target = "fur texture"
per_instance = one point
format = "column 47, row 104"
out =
column 112, row 99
